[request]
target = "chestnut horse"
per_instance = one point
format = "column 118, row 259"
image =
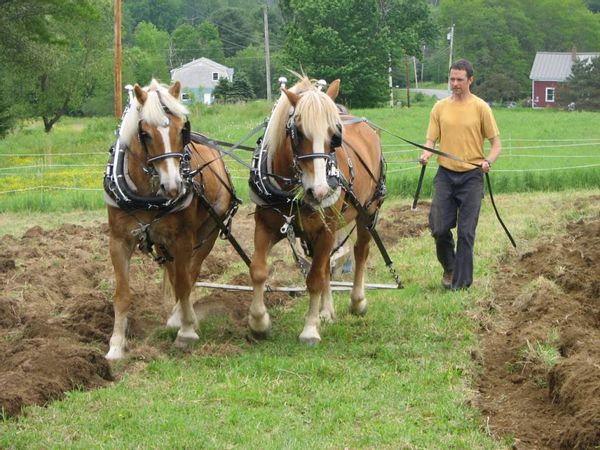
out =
column 166, row 197
column 309, row 162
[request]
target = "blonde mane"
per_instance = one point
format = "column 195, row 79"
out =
column 317, row 110
column 151, row 112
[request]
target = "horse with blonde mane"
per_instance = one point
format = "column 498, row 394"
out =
column 319, row 170
column 166, row 194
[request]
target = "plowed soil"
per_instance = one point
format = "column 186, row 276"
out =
column 540, row 341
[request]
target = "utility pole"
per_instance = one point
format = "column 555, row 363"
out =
column 390, row 84
column 267, row 52
column 407, row 65
column 451, row 39
column 415, row 68
column 118, row 81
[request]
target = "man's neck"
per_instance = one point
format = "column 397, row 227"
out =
column 461, row 97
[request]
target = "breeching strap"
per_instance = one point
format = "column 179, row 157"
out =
column 362, row 212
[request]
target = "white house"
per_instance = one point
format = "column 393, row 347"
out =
column 200, row 77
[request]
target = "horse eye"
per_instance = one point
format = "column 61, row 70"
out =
column 145, row 135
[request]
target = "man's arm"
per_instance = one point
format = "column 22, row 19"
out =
column 495, row 149
column 424, row 158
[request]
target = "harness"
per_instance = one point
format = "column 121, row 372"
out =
column 266, row 191
column 121, row 192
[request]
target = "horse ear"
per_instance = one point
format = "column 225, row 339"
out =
column 292, row 96
column 175, row 90
column 334, row 89
column 140, row 94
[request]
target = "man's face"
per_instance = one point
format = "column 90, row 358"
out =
column 459, row 82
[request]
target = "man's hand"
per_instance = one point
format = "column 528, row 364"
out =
column 424, row 158
column 486, row 166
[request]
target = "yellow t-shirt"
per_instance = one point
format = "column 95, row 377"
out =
column 460, row 128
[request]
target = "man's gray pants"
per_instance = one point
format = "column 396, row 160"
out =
column 456, row 203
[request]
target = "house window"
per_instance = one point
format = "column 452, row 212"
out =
column 215, row 76
column 550, row 95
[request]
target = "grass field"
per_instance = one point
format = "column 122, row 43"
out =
column 403, row 376
column 544, row 150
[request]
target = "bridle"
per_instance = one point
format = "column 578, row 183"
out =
column 296, row 136
column 185, row 137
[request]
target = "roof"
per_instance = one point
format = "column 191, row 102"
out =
column 202, row 61
column 555, row 66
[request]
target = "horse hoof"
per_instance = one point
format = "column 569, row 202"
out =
column 185, row 343
column 311, row 341
column 185, row 340
column 260, row 329
column 310, row 336
column 360, row 308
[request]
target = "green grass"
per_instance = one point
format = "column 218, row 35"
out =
column 544, row 150
column 400, row 377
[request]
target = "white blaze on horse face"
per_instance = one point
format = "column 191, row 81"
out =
column 316, row 182
column 170, row 179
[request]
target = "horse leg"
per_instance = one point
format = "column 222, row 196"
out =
column 120, row 254
column 259, row 320
column 327, row 312
column 316, row 282
column 358, row 302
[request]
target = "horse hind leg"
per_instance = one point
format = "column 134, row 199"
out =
column 168, row 293
column 327, row 313
column 358, row 301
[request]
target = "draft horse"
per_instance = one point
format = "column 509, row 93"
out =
column 165, row 194
column 328, row 166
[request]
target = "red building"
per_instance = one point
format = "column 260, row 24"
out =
column 549, row 70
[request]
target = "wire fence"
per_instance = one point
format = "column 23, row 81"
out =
column 26, row 172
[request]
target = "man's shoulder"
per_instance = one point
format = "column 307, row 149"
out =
column 481, row 103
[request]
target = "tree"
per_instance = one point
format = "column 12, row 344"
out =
column 57, row 75
column 241, row 90
column 582, row 86
column 234, row 29
column 326, row 40
column 222, row 90
column 151, row 59
column 27, row 26
column 501, row 38
column 353, row 40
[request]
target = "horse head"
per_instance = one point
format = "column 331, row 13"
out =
column 313, row 126
column 160, row 121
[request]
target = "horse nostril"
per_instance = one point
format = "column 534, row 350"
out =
column 310, row 192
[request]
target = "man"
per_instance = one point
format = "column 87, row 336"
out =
column 460, row 123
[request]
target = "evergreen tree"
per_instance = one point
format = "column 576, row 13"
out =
column 222, row 91
column 582, row 87
column 241, row 90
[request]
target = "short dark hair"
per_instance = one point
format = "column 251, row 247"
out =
column 463, row 64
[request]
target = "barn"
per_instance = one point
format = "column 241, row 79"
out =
column 549, row 70
column 200, row 76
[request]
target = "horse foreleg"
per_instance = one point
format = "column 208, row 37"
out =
column 120, row 254
column 259, row 320
column 358, row 302
column 317, row 282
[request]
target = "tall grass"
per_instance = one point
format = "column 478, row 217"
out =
column 544, row 150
